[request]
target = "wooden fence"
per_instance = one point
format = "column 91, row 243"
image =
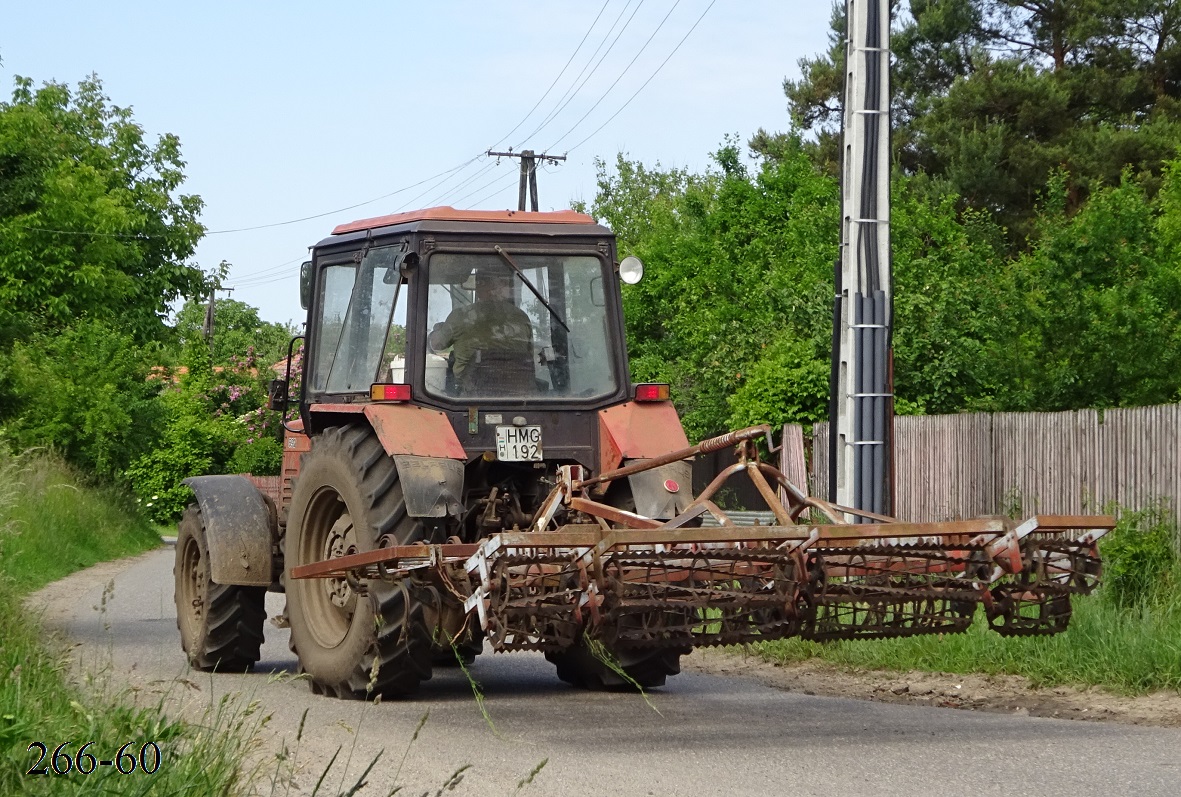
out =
column 958, row 466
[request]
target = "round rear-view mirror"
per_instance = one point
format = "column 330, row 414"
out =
column 631, row 270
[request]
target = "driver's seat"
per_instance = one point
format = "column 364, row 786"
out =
column 493, row 373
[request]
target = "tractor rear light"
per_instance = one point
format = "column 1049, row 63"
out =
column 381, row 392
column 652, row 391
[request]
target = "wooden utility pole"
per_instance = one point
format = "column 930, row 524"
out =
column 207, row 329
column 529, row 161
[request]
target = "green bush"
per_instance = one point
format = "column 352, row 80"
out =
column 213, row 424
column 1140, row 559
column 262, row 457
column 190, row 447
column 85, row 393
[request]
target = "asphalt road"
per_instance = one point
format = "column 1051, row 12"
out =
column 700, row 735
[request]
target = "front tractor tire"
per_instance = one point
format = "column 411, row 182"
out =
column 348, row 499
column 607, row 666
column 581, row 667
column 220, row 624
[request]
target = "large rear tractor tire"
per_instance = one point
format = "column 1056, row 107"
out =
column 348, row 499
column 220, row 624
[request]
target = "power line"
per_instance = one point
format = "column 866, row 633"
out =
column 452, row 191
column 529, row 161
column 569, row 61
column 269, row 269
column 498, row 178
column 504, row 184
column 267, row 281
column 447, row 174
column 138, row 236
column 471, row 178
column 646, row 82
column 349, row 207
column 621, row 74
column 572, row 92
column 148, row 237
column 256, row 281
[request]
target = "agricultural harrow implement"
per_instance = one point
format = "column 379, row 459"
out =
column 585, row 570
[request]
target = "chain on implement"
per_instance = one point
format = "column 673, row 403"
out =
column 585, row 569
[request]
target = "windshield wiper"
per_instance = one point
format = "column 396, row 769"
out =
column 508, row 259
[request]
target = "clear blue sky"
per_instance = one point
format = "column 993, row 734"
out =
column 290, row 110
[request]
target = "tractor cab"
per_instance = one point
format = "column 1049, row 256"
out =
column 472, row 313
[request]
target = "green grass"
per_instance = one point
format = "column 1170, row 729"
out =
column 1128, row 650
column 51, row 525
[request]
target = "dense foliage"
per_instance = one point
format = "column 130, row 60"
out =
column 91, row 222
column 213, row 423
column 96, row 243
column 1036, row 222
column 736, row 270
column 994, row 96
column 735, row 307
column 1142, row 560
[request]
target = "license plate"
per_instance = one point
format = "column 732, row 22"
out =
column 518, row 443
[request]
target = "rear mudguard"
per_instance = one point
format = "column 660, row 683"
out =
column 239, row 528
column 432, row 486
column 663, row 492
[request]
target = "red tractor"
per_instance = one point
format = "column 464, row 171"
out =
column 472, row 464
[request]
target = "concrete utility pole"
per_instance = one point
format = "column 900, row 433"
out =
column 529, row 172
column 862, row 404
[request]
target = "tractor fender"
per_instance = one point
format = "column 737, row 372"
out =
column 431, row 486
column 635, row 430
column 663, row 492
column 238, row 529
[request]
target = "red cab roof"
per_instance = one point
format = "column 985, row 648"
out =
column 446, row 213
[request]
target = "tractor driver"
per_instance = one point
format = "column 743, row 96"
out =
column 491, row 339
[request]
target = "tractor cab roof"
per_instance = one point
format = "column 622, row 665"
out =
column 447, row 213
column 447, row 219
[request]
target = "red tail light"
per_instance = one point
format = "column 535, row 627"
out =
column 382, row 392
column 652, row 391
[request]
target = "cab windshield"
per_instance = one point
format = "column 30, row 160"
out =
column 505, row 324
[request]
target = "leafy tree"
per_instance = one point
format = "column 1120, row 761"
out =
column 946, row 299
column 237, row 331
column 85, row 392
column 737, row 284
column 1103, row 304
column 995, row 96
column 91, row 222
column 735, row 308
